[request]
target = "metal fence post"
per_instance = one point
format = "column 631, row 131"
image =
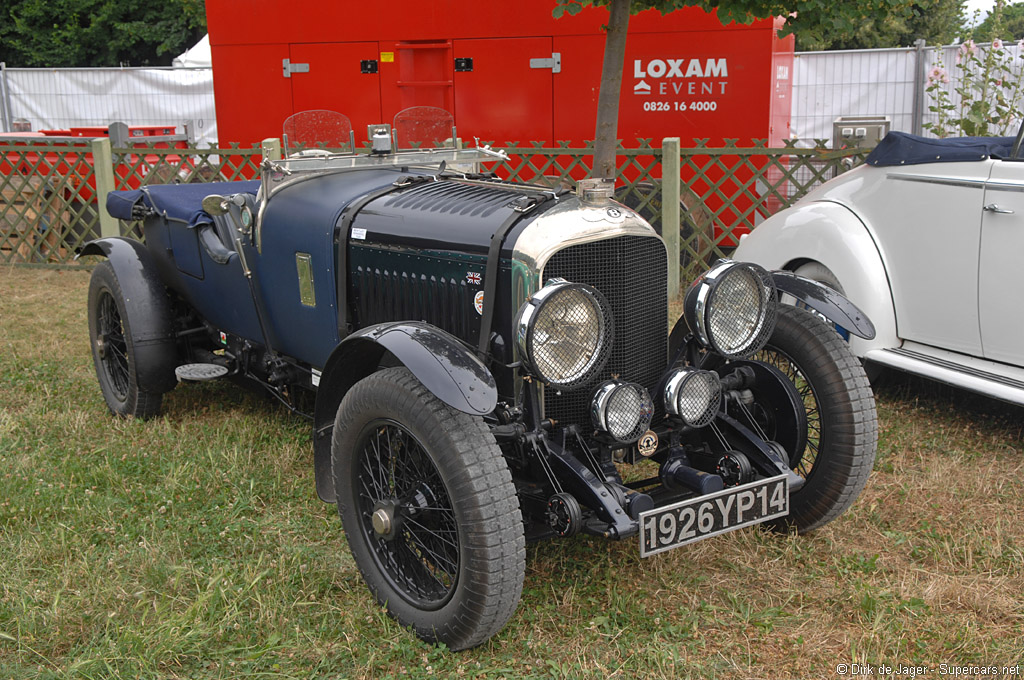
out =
column 5, row 99
column 917, row 110
column 271, row 148
column 670, row 162
column 103, row 166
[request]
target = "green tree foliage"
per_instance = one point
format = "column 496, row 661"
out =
column 936, row 21
column 58, row 33
column 834, row 15
column 1005, row 24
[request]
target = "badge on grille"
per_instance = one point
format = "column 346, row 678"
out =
column 648, row 444
column 473, row 277
column 478, row 302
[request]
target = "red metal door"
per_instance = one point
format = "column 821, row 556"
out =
column 331, row 76
column 503, row 98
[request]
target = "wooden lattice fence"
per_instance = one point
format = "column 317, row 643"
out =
column 51, row 191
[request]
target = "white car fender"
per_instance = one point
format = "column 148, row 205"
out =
column 831, row 234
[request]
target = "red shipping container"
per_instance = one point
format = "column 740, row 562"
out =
column 507, row 71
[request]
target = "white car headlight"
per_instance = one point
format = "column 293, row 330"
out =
column 564, row 333
column 623, row 410
column 731, row 308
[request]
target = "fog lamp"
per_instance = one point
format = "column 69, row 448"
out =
column 693, row 395
column 623, row 410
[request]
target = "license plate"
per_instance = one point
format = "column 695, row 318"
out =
column 694, row 519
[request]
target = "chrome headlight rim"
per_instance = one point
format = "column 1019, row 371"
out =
column 699, row 308
column 676, row 391
column 526, row 325
column 625, row 427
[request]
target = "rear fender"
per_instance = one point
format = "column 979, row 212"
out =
column 147, row 307
column 832, row 234
column 441, row 362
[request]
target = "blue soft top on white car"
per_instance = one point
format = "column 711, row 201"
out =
column 902, row 148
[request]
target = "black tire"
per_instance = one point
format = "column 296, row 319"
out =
column 455, row 573
column 113, row 351
column 842, row 427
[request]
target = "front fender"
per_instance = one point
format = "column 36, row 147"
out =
column 441, row 362
column 826, row 301
column 832, row 234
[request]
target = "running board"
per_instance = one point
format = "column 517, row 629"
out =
column 999, row 381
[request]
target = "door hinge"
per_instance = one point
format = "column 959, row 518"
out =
column 554, row 63
column 290, row 68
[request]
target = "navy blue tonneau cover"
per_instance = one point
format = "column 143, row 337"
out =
column 901, row 148
column 182, row 202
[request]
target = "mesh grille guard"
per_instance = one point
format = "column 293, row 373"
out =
column 630, row 271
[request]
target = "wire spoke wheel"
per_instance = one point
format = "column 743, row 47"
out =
column 134, row 349
column 133, row 374
column 113, row 350
column 429, row 509
column 836, row 456
column 803, row 461
column 401, row 486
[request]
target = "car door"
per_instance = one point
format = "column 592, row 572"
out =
column 927, row 221
column 1001, row 274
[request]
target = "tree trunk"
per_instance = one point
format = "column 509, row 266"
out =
column 606, row 136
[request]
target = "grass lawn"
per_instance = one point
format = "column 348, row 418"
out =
column 193, row 546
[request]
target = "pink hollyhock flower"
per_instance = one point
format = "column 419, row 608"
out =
column 937, row 75
column 968, row 48
column 997, row 44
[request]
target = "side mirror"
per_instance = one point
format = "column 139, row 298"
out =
column 215, row 205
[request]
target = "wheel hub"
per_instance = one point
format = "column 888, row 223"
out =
column 384, row 519
column 382, row 522
column 101, row 347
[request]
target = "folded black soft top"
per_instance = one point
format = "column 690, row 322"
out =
column 901, row 148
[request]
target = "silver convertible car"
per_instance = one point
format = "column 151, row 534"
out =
column 927, row 238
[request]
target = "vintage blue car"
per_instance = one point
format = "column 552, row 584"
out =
column 485, row 363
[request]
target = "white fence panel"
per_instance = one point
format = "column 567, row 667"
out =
column 851, row 83
column 826, row 85
column 63, row 98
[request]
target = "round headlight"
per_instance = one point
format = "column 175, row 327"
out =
column 564, row 333
column 693, row 395
column 623, row 410
column 731, row 308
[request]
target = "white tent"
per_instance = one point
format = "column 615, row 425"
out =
column 197, row 56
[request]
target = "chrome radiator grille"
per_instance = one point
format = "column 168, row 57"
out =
column 631, row 273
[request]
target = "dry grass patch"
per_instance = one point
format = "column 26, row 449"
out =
column 193, row 546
